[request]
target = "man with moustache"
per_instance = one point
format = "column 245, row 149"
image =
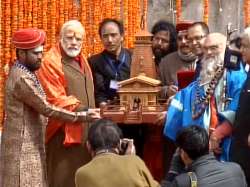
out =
column 181, row 60
column 211, row 100
column 112, row 64
column 163, row 42
column 67, row 81
column 196, row 37
column 23, row 149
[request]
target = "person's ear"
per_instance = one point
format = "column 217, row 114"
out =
column 185, row 158
column 89, row 148
column 122, row 38
column 21, row 53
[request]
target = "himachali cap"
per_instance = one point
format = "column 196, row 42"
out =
column 28, row 38
column 183, row 25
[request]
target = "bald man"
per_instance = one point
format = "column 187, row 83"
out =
column 211, row 100
column 67, row 81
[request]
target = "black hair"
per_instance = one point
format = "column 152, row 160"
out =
column 169, row 27
column 108, row 20
column 194, row 141
column 203, row 26
column 104, row 134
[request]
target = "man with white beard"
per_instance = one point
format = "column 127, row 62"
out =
column 211, row 100
column 67, row 81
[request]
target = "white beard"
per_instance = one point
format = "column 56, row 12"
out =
column 70, row 52
column 209, row 67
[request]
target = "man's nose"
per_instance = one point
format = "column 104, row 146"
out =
column 109, row 38
column 159, row 41
column 40, row 55
column 74, row 41
column 194, row 42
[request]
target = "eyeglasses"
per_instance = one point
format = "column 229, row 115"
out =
column 196, row 38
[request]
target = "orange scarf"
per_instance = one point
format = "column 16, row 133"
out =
column 51, row 76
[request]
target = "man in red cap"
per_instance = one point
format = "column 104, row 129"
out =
column 23, row 147
column 181, row 60
column 68, row 83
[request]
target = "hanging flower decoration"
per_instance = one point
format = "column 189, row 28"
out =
column 178, row 10
column 206, row 11
column 246, row 12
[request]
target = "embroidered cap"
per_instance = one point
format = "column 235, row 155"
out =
column 28, row 38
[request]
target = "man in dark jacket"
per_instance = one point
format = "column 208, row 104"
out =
column 112, row 64
column 240, row 150
column 201, row 167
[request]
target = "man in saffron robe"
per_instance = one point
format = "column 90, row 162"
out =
column 211, row 101
column 67, row 81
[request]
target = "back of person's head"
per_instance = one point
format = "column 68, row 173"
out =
column 203, row 26
column 104, row 134
column 111, row 20
column 169, row 27
column 194, row 141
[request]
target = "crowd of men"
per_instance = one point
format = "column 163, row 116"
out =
column 51, row 100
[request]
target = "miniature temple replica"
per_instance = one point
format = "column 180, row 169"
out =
column 138, row 95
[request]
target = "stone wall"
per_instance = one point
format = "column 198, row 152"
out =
column 231, row 11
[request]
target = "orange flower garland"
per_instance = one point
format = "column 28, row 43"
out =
column 206, row 8
column 29, row 14
column 20, row 14
column 53, row 19
column 39, row 14
column 178, row 10
column 14, row 28
column 35, row 13
column 1, row 68
column 66, row 12
column 247, row 12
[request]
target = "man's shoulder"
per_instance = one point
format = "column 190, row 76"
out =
column 182, row 180
column 170, row 57
column 87, row 168
column 231, row 167
column 95, row 56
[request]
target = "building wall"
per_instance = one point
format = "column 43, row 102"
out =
column 232, row 11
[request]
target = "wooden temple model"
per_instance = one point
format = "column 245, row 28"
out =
column 138, row 95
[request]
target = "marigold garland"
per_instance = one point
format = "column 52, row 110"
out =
column 1, row 67
column 206, row 11
column 178, row 10
column 247, row 12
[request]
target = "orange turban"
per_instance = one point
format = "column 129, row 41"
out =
column 28, row 38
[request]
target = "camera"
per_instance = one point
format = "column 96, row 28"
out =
column 123, row 146
column 232, row 59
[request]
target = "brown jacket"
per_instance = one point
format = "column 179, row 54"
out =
column 112, row 170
